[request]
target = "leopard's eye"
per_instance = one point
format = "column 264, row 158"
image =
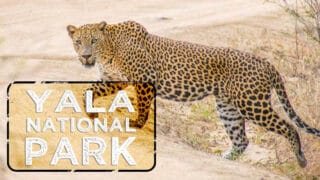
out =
column 78, row 41
column 93, row 41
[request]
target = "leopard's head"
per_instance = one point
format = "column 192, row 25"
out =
column 88, row 41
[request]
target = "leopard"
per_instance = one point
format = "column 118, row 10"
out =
column 241, row 82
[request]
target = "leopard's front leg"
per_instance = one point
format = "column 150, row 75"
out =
column 145, row 94
column 100, row 90
column 144, row 91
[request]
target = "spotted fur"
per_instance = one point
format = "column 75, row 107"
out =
column 183, row 71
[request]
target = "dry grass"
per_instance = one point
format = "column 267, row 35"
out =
column 199, row 126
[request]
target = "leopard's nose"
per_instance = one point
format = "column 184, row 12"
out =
column 87, row 56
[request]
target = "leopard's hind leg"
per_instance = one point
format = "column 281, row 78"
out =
column 234, row 125
column 260, row 112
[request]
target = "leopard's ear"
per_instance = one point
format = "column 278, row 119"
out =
column 71, row 29
column 102, row 25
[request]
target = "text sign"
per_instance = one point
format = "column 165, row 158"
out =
column 51, row 127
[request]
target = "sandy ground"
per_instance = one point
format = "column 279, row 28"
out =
column 35, row 46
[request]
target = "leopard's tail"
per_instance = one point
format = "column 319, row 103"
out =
column 278, row 85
